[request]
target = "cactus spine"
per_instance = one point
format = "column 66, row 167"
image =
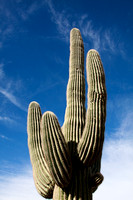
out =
column 66, row 161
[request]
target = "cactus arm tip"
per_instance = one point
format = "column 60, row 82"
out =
column 76, row 30
column 33, row 104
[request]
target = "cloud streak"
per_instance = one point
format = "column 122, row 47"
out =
column 1, row 70
column 12, row 98
column 8, row 88
column 11, row 19
column 99, row 39
column 60, row 19
column 25, row 12
column 18, row 186
column 4, row 137
column 117, row 161
column 117, row 165
column 7, row 119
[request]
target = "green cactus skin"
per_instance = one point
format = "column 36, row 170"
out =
column 66, row 161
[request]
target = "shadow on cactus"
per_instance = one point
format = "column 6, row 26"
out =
column 66, row 161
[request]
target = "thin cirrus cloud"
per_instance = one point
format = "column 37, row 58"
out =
column 117, row 161
column 1, row 70
column 18, row 186
column 29, row 10
column 7, row 92
column 4, row 137
column 7, row 119
column 60, row 19
column 11, row 23
column 101, row 40
column 117, row 165
column 12, row 98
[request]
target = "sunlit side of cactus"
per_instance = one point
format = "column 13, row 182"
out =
column 66, row 161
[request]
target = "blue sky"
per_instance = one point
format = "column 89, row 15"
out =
column 34, row 64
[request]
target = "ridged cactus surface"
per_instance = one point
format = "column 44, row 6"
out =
column 66, row 161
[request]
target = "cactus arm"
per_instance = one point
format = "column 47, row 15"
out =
column 75, row 110
column 96, row 177
column 42, row 178
column 55, row 150
column 96, row 180
column 91, row 143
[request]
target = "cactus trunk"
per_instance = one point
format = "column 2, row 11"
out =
column 79, row 187
column 66, row 161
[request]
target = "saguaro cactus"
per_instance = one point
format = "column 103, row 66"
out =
column 66, row 161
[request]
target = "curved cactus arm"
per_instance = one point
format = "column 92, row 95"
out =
column 96, row 180
column 55, row 150
column 91, row 143
column 96, row 177
column 42, row 178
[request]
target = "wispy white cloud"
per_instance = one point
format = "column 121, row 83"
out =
column 126, row 128
column 1, row 44
column 18, row 186
column 121, row 108
column 27, row 11
column 1, row 70
column 12, row 18
column 4, row 137
column 117, row 165
column 108, row 42
column 99, row 39
column 7, row 119
column 8, row 89
column 61, row 19
column 117, row 161
column 7, row 31
column 12, row 98
column 89, row 32
column 8, row 21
